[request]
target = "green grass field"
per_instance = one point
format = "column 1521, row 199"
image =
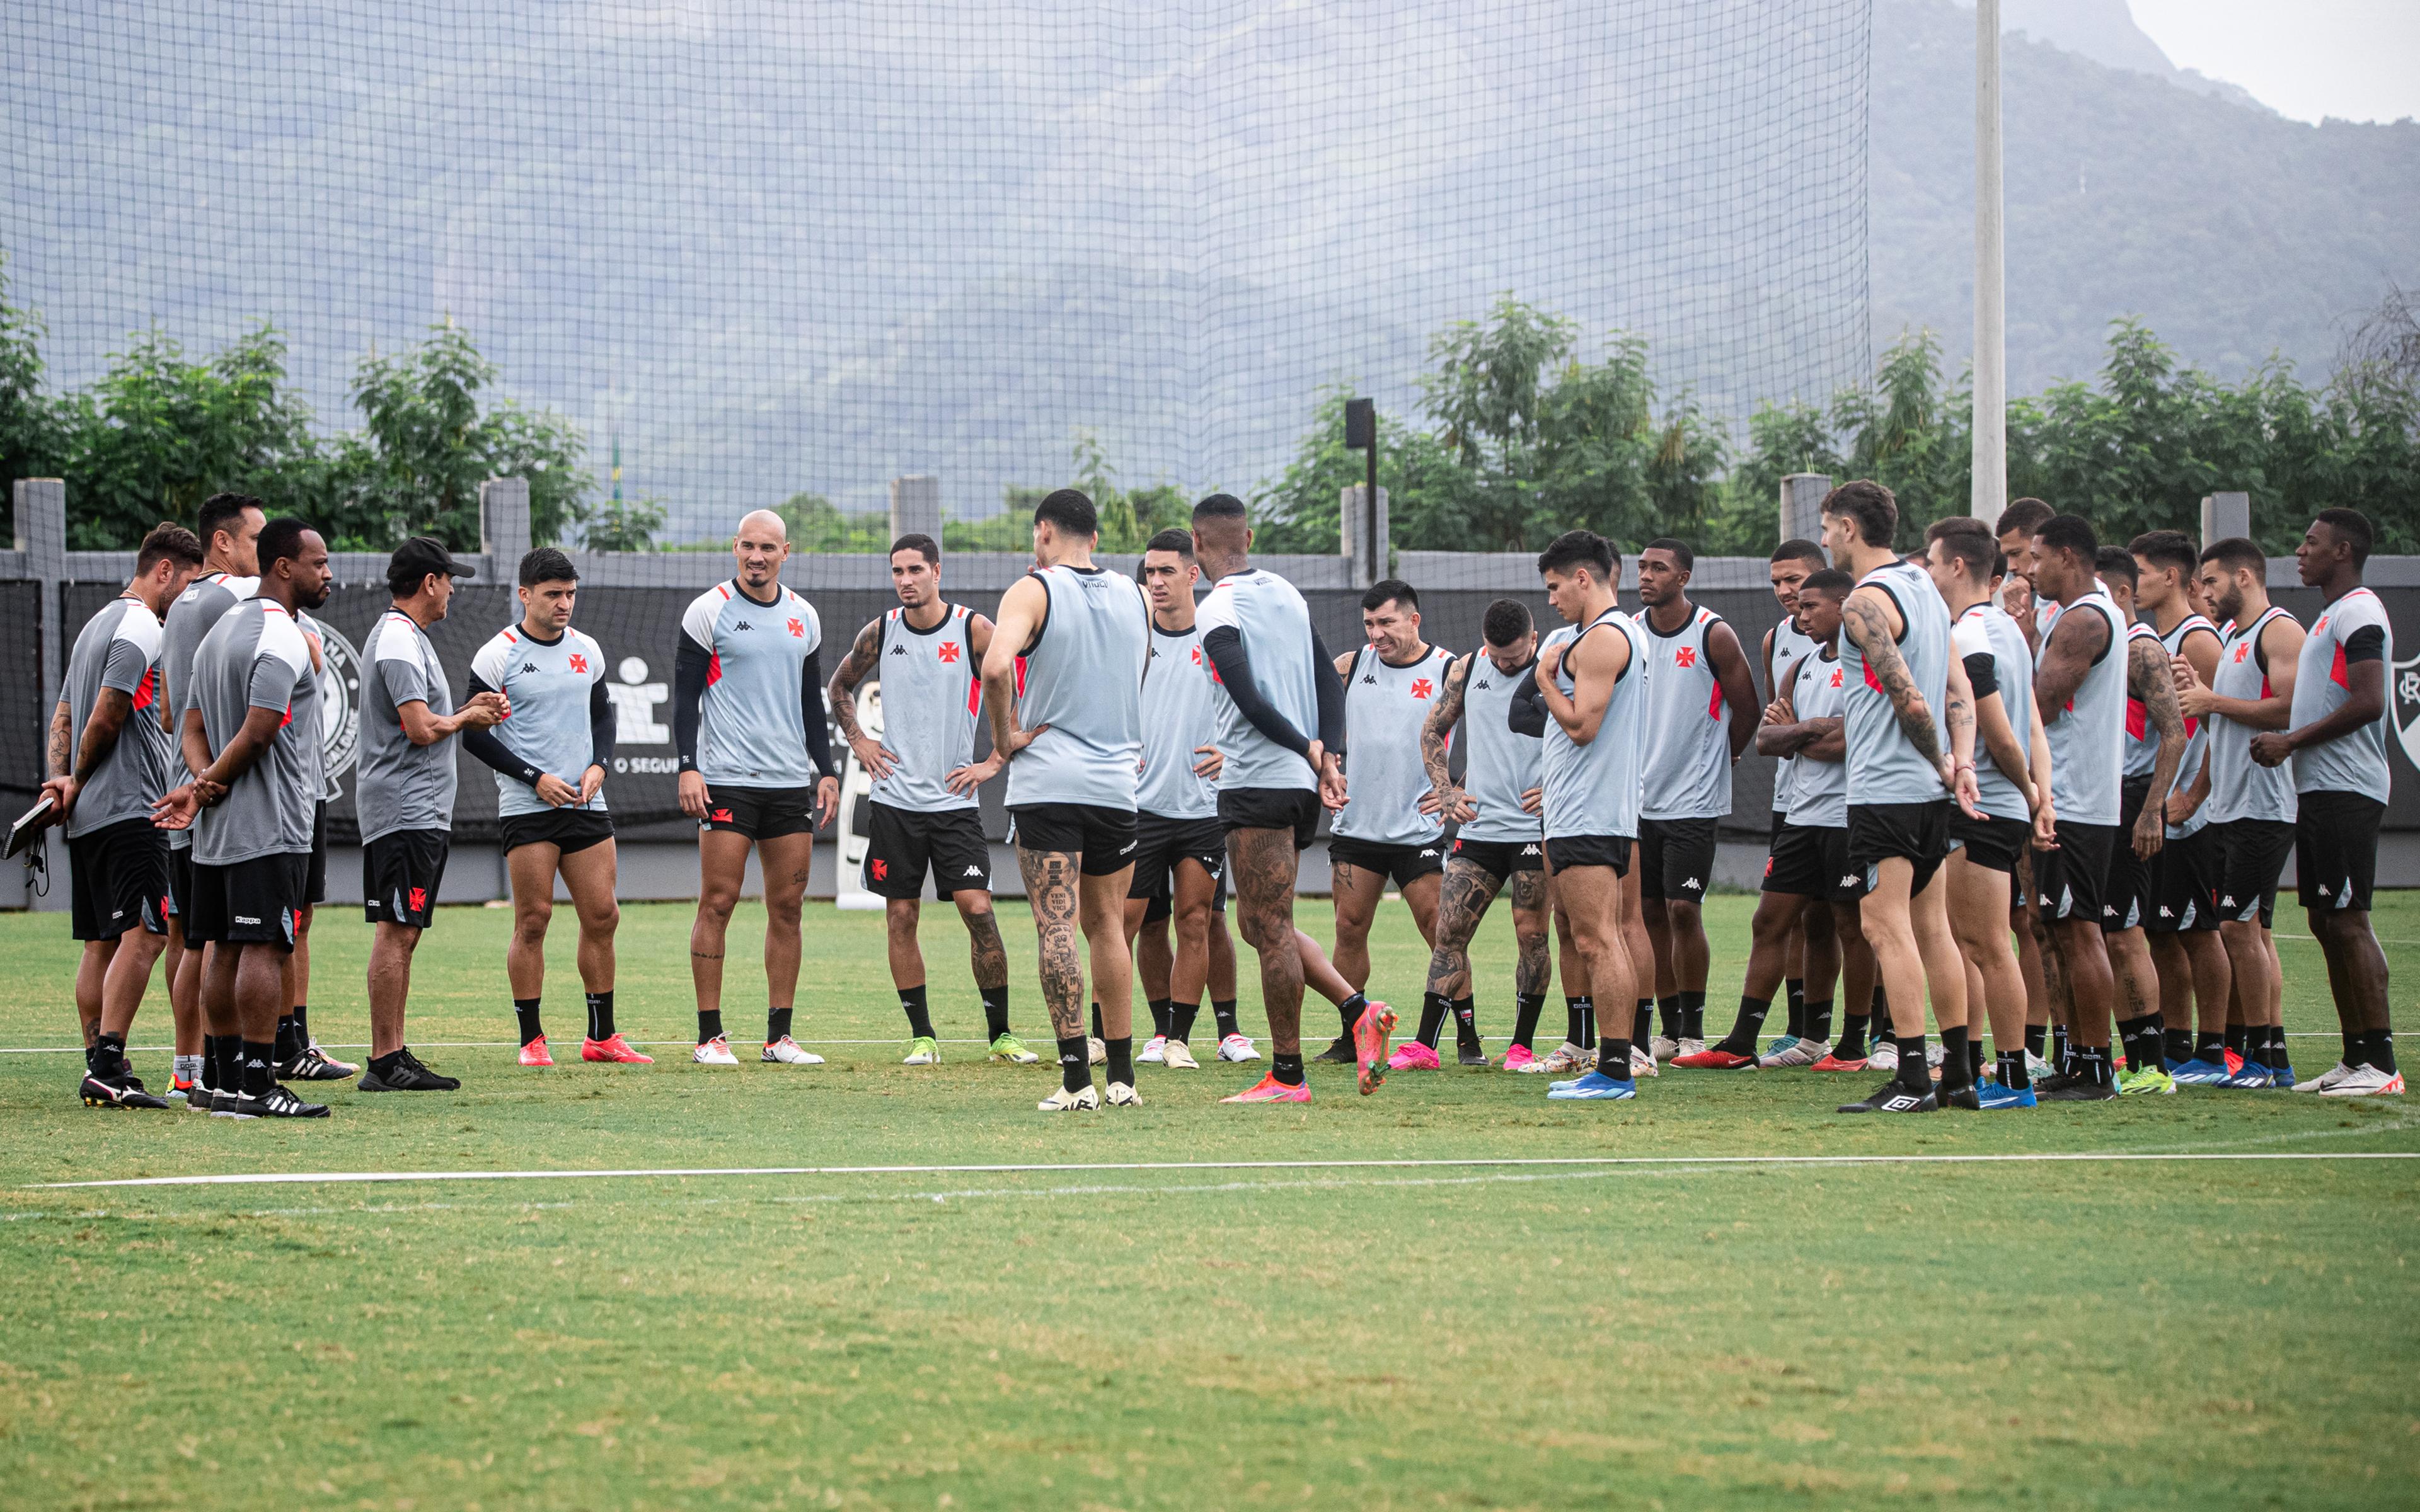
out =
column 1675, row 1331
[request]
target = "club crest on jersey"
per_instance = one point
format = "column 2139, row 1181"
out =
column 1685, row 657
column 2407, row 706
column 799, row 629
column 579, row 662
column 1422, row 688
column 950, row 652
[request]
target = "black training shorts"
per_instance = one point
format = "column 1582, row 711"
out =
column 569, row 830
column 1915, row 832
column 1402, row 865
column 2068, row 881
column 181, row 883
column 2250, row 858
column 121, row 880
column 1103, row 838
column 1812, row 861
column 2126, row 891
column 1501, row 859
column 1565, row 851
column 1676, row 858
column 1163, row 903
column 402, row 870
column 314, row 879
column 1294, row 808
column 760, row 813
column 903, row 844
column 2184, row 884
column 258, row 901
column 2336, row 851
column 1990, row 843
column 1161, row 843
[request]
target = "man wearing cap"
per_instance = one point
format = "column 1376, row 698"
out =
column 405, row 794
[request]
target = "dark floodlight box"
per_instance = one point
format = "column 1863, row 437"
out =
column 1361, row 423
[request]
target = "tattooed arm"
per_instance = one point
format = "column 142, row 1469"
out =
column 1957, row 700
column 1023, row 610
column 863, row 654
column 1444, row 797
column 1866, row 619
column 2150, row 679
column 2077, row 642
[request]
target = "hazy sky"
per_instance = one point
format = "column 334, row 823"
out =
column 2355, row 60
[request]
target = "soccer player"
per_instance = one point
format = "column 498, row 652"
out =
column 250, row 736
column 1702, row 711
column 1385, row 832
column 1585, row 697
column 1908, row 767
column 2182, row 921
column 1180, row 850
column 109, row 764
column 2251, row 806
column 1497, row 845
column 2155, row 744
column 2011, row 768
column 1807, row 873
column 2019, row 595
column 551, row 758
column 1792, row 562
column 2338, row 744
column 229, row 527
column 1279, row 715
column 2081, row 684
column 405, row 794
column 1069, row 726
column 755, row 770
column 926, row 656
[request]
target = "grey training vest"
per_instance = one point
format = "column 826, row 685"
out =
column 1883, row 764
column 1499, row 764
column 1083, row 678
column 1385, row 708
column 1593, row 788
column 2241, row 788
column 1688, row 770
column 1177, row 720
column 2196, row 730
column 1819, row 799
column 931, row 692
column 2087, row 737
column 1788, row 648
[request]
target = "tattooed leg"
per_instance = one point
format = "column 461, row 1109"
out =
column 1467, row 891
column 1052, row 888
column 1261, row 865
column 1532, row 969
column 987, row 955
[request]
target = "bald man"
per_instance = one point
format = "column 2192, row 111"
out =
column 755, row 772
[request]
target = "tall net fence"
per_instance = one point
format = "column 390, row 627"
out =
column 770, row 249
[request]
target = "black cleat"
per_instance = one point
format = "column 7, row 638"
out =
column 1339, row 1052
column 406, row 1074
column 1968, row 1097
column 117, row 1092
column 1890, row 1097
column 229, row 1105
column 1470, row 1055
column 311, row 1066
column 280, row 1102
column 2073, row 1089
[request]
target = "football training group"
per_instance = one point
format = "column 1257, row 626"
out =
column 2027, row 782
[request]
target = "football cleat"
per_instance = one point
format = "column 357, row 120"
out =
column 1269, row 1089
column 1085, row 1100
column 1596, row 1087
column 2149, row 1081
column 178, row 1086
column 1178, row 1056
column 229, row 1105
column 786, row 1052
column 1884, row 1057
column 2326, row 1079
column 536, row 1053
column 2282, row 1078
column 1642, row 1064
column 1369, row 1033
column 1121, row 1096
column 407, row 1075
column 715, row 1052
column 1521, row 1058
column 315, row 1065
column 126, row 1093
column 281, row 1102
column 1780, row 1042
column 1011, row 1049
column 1716, row 1059
column 1968, row 1097
column 1995, row 1096
column 614, row 1049
column 1688, row 1044
column 1468, row 1055
column 1663, row 1047
column 1566, row 1057
column 1412, row 1055
column 2197, row 1073
column 1890, row 1097
column 1339, row 1052
column 2254, row 1077
column 1155, row 1052
column 1799, row 1053
column 2036, row 1067
column 2065, row 1087
column 1097, row 1049
column 2367, row 1081
column 1238, row 1048
column 1832, row 1063
column 924, row 1050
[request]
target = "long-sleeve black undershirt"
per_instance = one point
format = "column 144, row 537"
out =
column 1224, row 647
column 690, row 664
column 1528, row 714
column 483, row 743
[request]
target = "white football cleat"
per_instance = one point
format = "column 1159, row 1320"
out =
column 1643, row 1064
column 1238, row 1047
column 1063, row 1100
column 1094, row 1047
column 2326, row 1081
column 1689, row 1045
column 1797, row 1053
column 1884, row 1057
column 1663, row 1047
column 1153, row 1052
column 715, row 1052
column 1178, row 1056
column 2367, row 1081
column 1123, row 1096
column 785, row 1052
column 1570, row 1057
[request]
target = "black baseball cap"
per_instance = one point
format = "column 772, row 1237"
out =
column 419, row 556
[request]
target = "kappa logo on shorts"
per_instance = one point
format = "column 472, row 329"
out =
column 1430, row 851
column 881, row 870
column 419, row 899
column 1528, row 849
column 1849, row 881
column 1692, row 882
column 975, row 870
column 243, row 918
column 1127, row 846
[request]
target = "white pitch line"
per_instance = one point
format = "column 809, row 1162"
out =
column 319, row 1177
column 684, row 1044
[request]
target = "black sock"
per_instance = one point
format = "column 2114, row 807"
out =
column 1098, row 1033
column 1180, row 1020
column 258, row 1075
column 1818, row 1025
column 777, row 1024
column 1748, row 1025
column 995, row 1005
column 2278, row 1057
column 209, row 1079
column 600, row 1015
column 2013, row 1074
column 709, row 1026
column 1613, row 1057
column 1693, row 1015
column 1434, row 1008
column 1075, row 1064
column 525, row 1010
column 2210, row 1047
column 2177, row 1044
column 1974, row 1056
column 1222, row 1014
column 1853, row 1037
column 2354, row 1044
column 1466, row 1024
column 288, row 1046
column 1526, row 1008
column 2092, row 1064
column 1793, row 991
column 1667, row 1017
column 230, row 1063
column 1912, row 1071
column 1350, row 1011
column 2037, row 1035
column 1956, row 1070
column 2062, row 1056
column 1121, row 1059
column 2382, row 1049
column 107, row 1058
column 2147, row 1047
column 920, row 1017
column 301, row 1016
column 1286, row 1069
column 2237, row 1033
column 1159, row 1016
column 1575, row 1016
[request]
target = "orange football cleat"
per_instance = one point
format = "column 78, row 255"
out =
column 613, row 1048
column 1269, row 1089
column 536, row 1053
column 1369, row 1033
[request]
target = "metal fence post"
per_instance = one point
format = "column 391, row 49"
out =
column 915, row 506
column 1368, row 564
column 1802, row 505
column 2225, row 515
column 503, row 526
column 43, row 535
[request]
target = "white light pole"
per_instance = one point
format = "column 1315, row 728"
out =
column 1991, row 461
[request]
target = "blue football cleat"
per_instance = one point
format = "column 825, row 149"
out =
column 1596, row 1087
column 1996, row 1096
column 2197, row 1073
column 2253, row 1077
column 2282, row 1078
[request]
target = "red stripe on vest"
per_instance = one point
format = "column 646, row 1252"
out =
column 713, row 669
column 2337, row 674
column 2137, row 720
